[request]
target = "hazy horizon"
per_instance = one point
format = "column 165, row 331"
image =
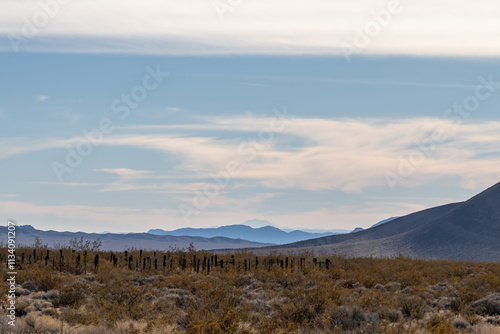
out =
column 323, row 115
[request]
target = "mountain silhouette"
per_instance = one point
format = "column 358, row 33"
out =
column 26, row 234
column 467, row 230
column 266, row 234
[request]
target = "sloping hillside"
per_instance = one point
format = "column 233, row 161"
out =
column 467, row 230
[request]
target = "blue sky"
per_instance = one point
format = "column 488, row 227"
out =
column 275, row 124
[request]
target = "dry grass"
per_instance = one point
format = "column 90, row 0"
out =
column 359, row 295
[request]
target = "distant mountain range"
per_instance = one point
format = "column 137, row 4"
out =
column 25, row 235
column 265, row 234
column 256, row 223
column 467, row 230
column 259, row 234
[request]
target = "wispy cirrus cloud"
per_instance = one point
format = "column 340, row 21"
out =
column 42, row 98
column 173, row 109
column 124, row 172
column 13, row 146
column 9, row 195
column 310, row 154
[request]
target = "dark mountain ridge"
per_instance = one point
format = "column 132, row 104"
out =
column 467, row 230
column 25, row 235
column 266, row 234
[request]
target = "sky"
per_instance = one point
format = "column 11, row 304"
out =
column 119, row 116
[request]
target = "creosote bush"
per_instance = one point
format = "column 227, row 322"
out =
column 188, row 291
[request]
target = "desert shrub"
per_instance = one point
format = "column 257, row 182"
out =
column 463, row 296
column 456, row 305
column 20, row 291
column 485, row 329
column 347, row 318
column 412, row 307
column 22, row 305
column 348, row 283
column 216, row 312
column 38, row 305
column 46, row 280
column 337, row 274
column 78, row 318
column 439, row 324
column 71, row 295
column 30, row 286
column 47, row 295
column 354, row 295
column 460, row 323
column 489, row 280
column 219, row 322
column 490, row 305
column 36, row 323
column 119, row 300
column 444, row 303
column 389, row 314
column 304, row 305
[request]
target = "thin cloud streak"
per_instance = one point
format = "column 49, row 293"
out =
column 42, row 98
column 337, row 154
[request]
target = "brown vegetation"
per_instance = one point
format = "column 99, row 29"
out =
column 177, row 291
